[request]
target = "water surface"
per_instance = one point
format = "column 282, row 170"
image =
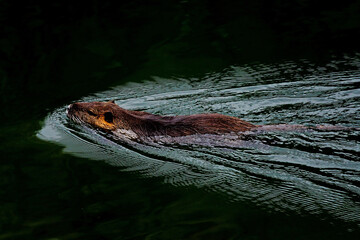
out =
column 299, row 173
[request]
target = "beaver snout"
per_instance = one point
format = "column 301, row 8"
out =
column 68, row 108
column 71, row 109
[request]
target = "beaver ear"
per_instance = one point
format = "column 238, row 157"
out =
column 111, row 101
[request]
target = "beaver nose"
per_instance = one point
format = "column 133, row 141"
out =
column 68, row 107
column 74, row 106
column 71, row 108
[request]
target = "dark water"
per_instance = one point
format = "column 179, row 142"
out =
column 276, row 185
column 62, row 181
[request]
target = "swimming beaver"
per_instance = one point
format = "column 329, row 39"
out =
column 111, row 117
column 136, row 124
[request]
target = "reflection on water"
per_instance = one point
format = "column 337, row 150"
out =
column 307, row 173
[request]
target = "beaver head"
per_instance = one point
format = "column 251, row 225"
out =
column 102, row 115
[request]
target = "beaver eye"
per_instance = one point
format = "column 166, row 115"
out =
column 108, row 117
column 91, row 113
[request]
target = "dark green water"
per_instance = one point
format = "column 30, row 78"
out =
column 267, row 62
column 61, row 182
column 302, row 185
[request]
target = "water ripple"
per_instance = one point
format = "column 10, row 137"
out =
column 311, row 172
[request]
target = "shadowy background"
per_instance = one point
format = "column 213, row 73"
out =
column 54, row 52
column 57, row 51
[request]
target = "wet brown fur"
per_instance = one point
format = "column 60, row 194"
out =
column 98, row 115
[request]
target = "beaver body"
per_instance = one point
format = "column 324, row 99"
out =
column 110, row 117
column 107, row 116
